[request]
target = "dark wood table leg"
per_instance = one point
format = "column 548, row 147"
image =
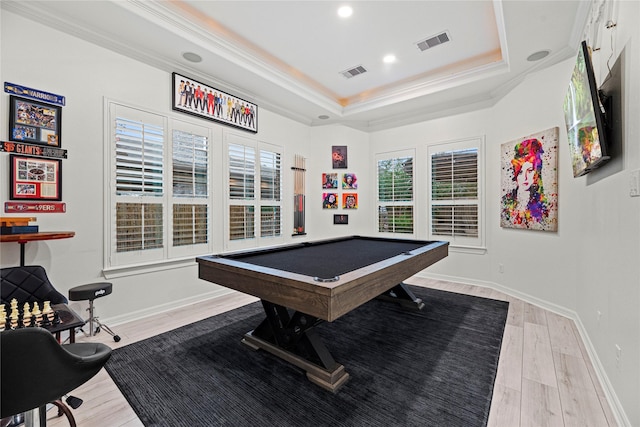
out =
column 293, row 339
column 401, row 294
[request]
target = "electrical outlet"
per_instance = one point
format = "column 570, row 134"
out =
column 501, row 268
column 598, row 316
column 618, row 356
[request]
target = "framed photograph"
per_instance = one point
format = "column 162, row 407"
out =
column 339, row 156
column 35, row 178
column 530, row 182
column 192, row 97
column 34, row 122
column 341, row 219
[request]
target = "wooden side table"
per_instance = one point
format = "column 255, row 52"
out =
column 22, row 239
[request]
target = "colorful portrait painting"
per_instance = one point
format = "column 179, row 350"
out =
column 329, row 200
column 530, row 182
column 329, row 180
column 349, row 181
column 349, row 201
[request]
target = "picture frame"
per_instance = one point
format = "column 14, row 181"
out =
column 213, row 104
column 340, row 219
column 339, row 156
column 35, row 178
column 34, row 122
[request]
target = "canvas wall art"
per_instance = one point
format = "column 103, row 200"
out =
column 329, row 180
column 529, row 181
column 350, row 181
column 329, row 200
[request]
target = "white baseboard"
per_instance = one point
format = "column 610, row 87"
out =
column 610, row 394
column 159, row 309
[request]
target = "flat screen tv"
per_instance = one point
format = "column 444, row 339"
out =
column 585, row 117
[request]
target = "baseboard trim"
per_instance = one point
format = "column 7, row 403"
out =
column 607, row 388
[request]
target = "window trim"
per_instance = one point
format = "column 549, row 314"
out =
column 231, row 137
column 460, row 244
column 391, row 155
column 124, row 264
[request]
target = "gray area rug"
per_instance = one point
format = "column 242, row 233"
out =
column 434, row 367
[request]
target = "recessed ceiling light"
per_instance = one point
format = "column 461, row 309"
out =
column 192, row 57
column 389, row 59
column 537, row 56
column 345, row 11
column 323, row 117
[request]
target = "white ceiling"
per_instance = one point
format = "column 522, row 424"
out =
column 287, row 56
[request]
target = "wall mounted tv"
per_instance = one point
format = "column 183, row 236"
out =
column 585, row 117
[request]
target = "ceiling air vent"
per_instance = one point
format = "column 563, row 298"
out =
column 352, row 72
column 433, row 41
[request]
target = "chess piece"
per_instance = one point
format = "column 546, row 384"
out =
column 37, row 314
column 56, row 318
column 3, row 317
column 26, row 315
column 14, row 316
column 47, row 311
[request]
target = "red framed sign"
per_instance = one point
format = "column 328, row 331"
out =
column 35, row 207
column 35, row 178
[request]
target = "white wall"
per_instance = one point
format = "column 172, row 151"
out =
column 320, row 221
column 591, row 264
column 86, row 74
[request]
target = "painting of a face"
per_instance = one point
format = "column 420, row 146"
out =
column 530, row 182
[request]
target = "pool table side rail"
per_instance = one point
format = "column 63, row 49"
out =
column 288, row 289
column 369, row 282
column 327, row 301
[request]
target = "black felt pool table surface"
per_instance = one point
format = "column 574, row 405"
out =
column 327, row 259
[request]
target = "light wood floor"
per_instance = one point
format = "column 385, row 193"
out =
column 545, row 377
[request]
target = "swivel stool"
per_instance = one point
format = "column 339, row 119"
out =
column 91, row 292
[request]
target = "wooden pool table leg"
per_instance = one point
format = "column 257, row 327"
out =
column 293, row 339
column 402, row 295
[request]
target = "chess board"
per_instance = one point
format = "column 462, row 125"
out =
column 28, row 315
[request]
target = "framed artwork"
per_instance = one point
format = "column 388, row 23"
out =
column 329, row 180
column 34, row 178
column 341, row 219
column 329, row 200
column 529, row 182
column 349, row 201
column 192, row 97
column 339, row 156
column 34, row 122
column 349, row 181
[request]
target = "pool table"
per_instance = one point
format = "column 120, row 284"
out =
column 301, row 285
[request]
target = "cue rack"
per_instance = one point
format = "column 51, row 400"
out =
column 299, row 171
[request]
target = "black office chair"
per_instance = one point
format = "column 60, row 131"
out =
column 28, row 283
column 37, row 370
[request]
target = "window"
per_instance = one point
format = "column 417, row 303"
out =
column 455, row 192
column 190, row 164
column 395, row 194
column 270, row 197
column 138, row 179
column 255, row 188
column 158, row 175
